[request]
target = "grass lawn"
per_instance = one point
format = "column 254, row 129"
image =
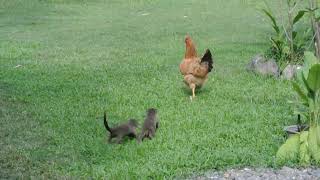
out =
column 79, row 59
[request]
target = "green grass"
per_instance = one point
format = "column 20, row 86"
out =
column 79, row 59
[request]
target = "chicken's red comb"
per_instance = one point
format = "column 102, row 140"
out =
column 187, row 39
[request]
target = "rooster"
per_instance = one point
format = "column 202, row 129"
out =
column 194, row 69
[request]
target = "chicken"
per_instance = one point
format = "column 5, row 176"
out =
column 194, row 69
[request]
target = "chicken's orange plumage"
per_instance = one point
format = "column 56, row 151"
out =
column 194, row 69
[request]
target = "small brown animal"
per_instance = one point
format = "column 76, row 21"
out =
column 150, row 125
column 121, row 131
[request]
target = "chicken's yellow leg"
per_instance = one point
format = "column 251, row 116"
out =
column 193, row 93
column 193, row 88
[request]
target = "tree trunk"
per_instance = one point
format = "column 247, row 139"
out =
column 290, row 31
column 316, row 28
column 317, row 38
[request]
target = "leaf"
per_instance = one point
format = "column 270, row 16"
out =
column 311, row 94
column 304, row 136
column 314, row 77
column 299, row 74
column 318, row 135
column 302, row 95
column 273, row 19
column 304, row 153
column 294, row 34
column 286, row 50
column 289, row 151
column 298, row 16
column 312, row 10
column 309, row 60
column 276, row 44
column 314, row 145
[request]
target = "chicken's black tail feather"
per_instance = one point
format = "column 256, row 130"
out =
column 207, row 57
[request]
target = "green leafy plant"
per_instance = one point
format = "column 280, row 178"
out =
column 290, row 40
column 289, row 151
column 278, row 50
column 305, row 146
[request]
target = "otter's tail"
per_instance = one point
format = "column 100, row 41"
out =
column 105, row 122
